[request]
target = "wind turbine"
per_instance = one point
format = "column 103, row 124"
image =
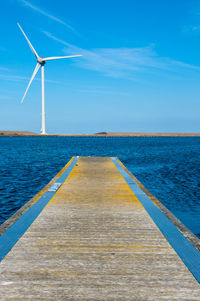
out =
column 40, row 63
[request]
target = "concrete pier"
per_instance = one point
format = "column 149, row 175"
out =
column 95, row 235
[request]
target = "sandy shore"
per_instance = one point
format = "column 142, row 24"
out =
column 102, row 134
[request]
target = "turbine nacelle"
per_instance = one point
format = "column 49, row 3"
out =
column 41, row 60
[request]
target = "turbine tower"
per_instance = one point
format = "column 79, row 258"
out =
column 40, row 63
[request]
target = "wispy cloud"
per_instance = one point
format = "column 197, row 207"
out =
column 193, row 23
column 191, row 29
column 103, row 91
column 19, row 78
column 5, row 97
column 46, row 14
column 196, row 28
column 2, row 68
column 124, row 62
column 14, row 78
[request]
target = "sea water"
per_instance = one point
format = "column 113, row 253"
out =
column 169, row 167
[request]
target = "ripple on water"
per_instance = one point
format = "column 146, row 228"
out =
column 169, row 167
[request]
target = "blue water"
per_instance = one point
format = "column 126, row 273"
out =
column 169, row 167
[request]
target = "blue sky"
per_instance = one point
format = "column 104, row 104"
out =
column 140, row 69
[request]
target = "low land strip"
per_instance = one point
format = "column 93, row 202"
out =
column 102, row 134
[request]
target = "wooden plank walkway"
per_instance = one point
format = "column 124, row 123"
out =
column 95, row 241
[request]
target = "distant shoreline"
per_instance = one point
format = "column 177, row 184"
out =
column 101, row 134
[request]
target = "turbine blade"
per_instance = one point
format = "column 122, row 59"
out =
column 32, row 77
column 31, row 46
column 59, row 57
